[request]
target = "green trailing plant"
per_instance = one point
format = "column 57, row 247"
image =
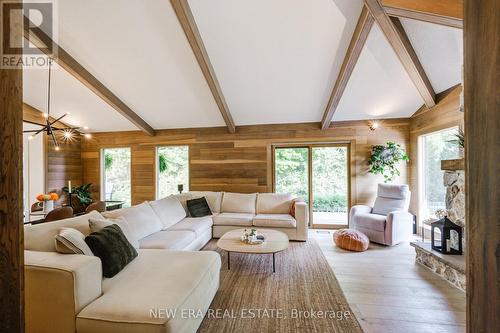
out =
column 162, row 164
column 81, row 192
column 459, row 139
column 108, row 161
column 384, row 160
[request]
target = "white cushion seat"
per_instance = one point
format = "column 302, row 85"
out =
column 169, row 240
column 235, row 219
column 274, row 220
column 198, row 225
column 371, row 221
column 155, row 280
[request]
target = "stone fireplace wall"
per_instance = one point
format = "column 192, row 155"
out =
column 454, row 181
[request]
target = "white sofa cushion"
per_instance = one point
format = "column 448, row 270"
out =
column 273, row 203
column 239, row 219
column 72, row 241
column 198, row 225
column 274, row 220
column 369, row 221
column 141, row 219
column 40, row 237
column 168, row 239
column 183, row 198
column 214, row 199
column 169, row 210
column 98, row 224
column 155, row 280
column 238, row 203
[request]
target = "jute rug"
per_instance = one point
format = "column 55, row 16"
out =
column 302, row 296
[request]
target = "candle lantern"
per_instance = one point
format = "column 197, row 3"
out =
column 180, row 187
column 450, row 239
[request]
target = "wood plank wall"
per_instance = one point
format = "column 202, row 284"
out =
column 241, row 162
column 63, row 165
column 445, row 114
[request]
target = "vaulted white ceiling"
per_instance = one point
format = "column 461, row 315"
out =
column 276, row 62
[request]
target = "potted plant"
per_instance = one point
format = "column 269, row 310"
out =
column 459, row 140
column 82, row 193
column 48, row 201
column 384, row 160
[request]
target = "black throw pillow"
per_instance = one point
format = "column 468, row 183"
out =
column 198, row 207
column 112, row 247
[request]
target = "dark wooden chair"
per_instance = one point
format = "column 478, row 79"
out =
column 36, row 207
column 99, row 206
column 59, row 214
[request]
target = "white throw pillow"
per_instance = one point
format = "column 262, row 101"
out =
column 141, row 219
column 71, row 241
column 238, row 203
column 98, row 224
column 169, row 210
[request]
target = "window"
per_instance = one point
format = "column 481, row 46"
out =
column 172, row 170
column 116, row 175
column 433, row 148
column 318, row 173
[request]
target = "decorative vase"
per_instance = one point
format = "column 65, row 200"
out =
column 48, row 206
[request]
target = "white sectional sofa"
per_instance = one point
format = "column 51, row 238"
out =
column 67, row 293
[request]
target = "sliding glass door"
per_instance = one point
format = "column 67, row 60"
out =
column 320, row 175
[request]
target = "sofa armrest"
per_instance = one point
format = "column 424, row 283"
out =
column 57, row 287
column 399, row 227
column 356, row 209
column 302, row 218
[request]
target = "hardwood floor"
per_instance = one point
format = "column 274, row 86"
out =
column 389, row 292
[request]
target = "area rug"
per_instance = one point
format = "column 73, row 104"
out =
column 302, row 296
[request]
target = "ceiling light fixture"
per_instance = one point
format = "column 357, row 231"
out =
column 49, row 127
column 374, row 125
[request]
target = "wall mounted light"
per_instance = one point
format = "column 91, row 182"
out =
column 374, row 125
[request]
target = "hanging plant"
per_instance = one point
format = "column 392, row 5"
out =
column 108, row 161
column 162, row 164
column 384, row 160
column 459, row 139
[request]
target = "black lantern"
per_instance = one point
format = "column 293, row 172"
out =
column 451, row 237
column 180, row 188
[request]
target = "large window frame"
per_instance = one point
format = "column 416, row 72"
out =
column 157, row 169
column 422, row 192
column 310, row 147
column 103, row 172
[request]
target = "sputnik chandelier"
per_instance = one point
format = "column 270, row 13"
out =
column 51, row 127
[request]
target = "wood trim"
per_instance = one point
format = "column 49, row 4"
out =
column 482, row 160
column 451, row 92
column 395, row 34
column 361, row 32
column 40, row 39
column 452, row 9
column 11, row 194
column 424, row 17
column 186, row 19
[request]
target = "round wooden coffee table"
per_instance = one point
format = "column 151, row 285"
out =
column 275, row 241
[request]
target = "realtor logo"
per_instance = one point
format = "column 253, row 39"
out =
column 28, row 33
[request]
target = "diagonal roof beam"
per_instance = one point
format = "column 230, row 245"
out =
column 41, row 40
column 443, row 12
column 395, row 34
column 186, row 19
column 363, row 27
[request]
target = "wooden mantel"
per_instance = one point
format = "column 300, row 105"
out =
column 453, row 165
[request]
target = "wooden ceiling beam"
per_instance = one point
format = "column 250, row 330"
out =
column 363, row 27
column 34, row 116
column 396, row 35
column 41, row 40
column 186, row 19
column 444, row 12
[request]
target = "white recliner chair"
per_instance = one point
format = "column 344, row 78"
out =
column 388, row 222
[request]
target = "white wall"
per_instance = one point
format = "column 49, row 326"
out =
column 33, row 167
